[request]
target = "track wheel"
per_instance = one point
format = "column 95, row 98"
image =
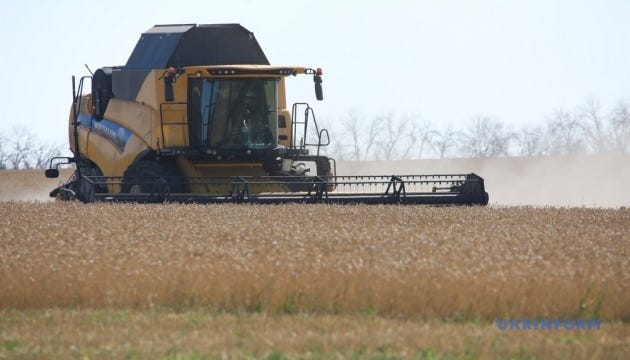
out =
column 152, row 177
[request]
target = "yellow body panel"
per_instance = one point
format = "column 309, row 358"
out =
column 148, row 94
column 138, row 118
column 156, row 124
column 192, row 170
column 101, row 150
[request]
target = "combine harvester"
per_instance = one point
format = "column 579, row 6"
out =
column 198, row 115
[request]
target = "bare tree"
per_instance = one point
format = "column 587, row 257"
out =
column 352, row 130
column 591, row 121
column 485, row 137
column 620, row 128
column 565, row 134
column 443, row 141
column 356, row 138
column 384, row 137
column 337, row 147
column 420, row 137
column 24, row 151
column 532, row 141
column 42, row 154
column 21, row 147
column 371, row 137
column 585, row 129
column 393, row 133
column 4, row 153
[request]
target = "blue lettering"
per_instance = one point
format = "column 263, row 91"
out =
column 580, row 324
column 593, row 323
column 569, row 324
column 548, row 324
column 545, row 324
column 502, row 324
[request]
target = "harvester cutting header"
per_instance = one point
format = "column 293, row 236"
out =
column 197, row 114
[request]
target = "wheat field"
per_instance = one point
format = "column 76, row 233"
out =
column 306, row 281
column 427, row 262
column 417, row 271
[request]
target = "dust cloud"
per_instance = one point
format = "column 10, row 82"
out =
column 589, row 180
column 29, row 185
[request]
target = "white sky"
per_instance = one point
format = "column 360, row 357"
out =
column 444, row 60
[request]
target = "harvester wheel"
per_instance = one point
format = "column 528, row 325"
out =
column 85, row 191
column 96, row 174
column 151, row 177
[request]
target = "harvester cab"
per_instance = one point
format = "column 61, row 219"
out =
column 197, row 114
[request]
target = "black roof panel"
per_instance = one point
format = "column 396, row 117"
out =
column 191, row 45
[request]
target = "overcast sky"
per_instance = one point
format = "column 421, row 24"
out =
column 446, row 61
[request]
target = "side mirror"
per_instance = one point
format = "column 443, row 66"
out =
column 52, row 173
column 319, row 93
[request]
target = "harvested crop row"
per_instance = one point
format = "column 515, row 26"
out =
column 423, row 262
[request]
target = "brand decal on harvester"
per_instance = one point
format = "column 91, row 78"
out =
column 108, row 129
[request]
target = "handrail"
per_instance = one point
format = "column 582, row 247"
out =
column 308, row 111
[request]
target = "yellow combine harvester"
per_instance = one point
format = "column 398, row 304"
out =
column 197, row 114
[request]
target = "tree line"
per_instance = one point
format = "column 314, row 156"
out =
column 587, row 129
column 21, row 149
